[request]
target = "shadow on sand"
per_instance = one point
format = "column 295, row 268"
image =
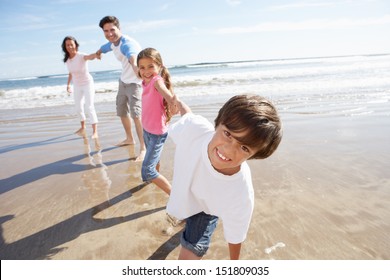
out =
column 54, row 140
column 64, row 166
column 45, row 243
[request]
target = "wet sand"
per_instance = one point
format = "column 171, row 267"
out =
column 323, row 195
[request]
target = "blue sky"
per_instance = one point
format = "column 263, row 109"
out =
column 190, row 31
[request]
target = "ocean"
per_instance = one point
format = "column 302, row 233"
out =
column 327, row 85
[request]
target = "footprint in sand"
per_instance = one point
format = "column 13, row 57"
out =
column 273, row 248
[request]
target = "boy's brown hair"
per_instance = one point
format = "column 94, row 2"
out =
column 258, row 117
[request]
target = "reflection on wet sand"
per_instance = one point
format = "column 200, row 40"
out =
column 96, row 179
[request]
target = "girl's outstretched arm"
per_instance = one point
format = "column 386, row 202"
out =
column 172, row 99
column 181, row 106
column 164, row 91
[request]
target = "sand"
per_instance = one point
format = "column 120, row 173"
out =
column 323, row 195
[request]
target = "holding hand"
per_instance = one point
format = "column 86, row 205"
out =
column 173, row 109
column 92, row 56
column 69, row 89
column 181, row 107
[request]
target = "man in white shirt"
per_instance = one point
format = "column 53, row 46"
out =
column 128, row 100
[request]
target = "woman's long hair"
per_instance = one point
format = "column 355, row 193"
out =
column 66, row 54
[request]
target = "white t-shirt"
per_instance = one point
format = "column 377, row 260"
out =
column 78, row 67
column 126, row 48
column 198, row 187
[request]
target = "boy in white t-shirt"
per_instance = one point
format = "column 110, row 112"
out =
column 211, row 178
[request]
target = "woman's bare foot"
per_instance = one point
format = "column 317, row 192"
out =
column 81, row 132
column 94, row 129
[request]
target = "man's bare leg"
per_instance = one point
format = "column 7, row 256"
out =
column 126, row 122
column 140, row 134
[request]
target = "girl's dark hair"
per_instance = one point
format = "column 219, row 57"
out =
column 66, row 54
column 156, row 57
column 258, row 117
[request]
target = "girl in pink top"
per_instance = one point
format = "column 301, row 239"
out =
column 158, row 105
column 84, row 90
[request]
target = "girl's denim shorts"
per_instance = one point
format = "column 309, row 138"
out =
column 154, row 146
column 196, row 236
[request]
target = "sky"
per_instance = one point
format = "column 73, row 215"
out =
column 188, row 31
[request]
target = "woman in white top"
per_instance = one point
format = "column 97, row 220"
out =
column 84, row 90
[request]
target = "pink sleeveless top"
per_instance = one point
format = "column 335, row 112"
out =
column 153, row 112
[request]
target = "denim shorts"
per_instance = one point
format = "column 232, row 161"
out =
column 129, row 100
column 154, row 145
column 196, row 236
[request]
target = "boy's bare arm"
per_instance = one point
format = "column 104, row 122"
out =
column 234, row 250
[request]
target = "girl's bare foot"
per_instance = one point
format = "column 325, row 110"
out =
column 141, row 156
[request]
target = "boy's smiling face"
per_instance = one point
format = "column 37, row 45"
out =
column 226, row 153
